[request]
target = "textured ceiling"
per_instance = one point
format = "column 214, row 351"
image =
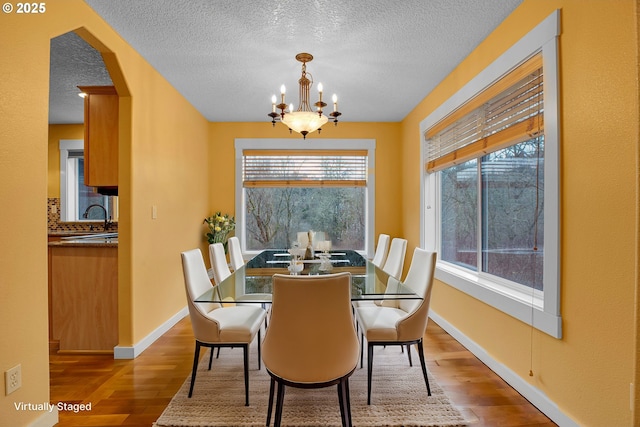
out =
column 228, row 57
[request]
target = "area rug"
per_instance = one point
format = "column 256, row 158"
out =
column 399, row 397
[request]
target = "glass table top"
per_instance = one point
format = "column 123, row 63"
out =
column 252, row 282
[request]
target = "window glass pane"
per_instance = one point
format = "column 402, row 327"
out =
column 459, row 192
column 275, row 215
column 512, row 213
column 87, row 197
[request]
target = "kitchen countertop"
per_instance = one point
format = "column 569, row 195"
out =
column 85, row 240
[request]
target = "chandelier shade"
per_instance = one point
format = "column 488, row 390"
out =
column 304, row 120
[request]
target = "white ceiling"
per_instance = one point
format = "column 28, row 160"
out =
column 228, row 57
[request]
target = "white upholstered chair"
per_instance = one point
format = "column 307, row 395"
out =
column 395, row 259
column 311, row 341
column 218, row 260
column 235, row 253
column 382, row 249
column 403, row 323
column 215, row 326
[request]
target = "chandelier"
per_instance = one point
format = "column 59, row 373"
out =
column 304, row 120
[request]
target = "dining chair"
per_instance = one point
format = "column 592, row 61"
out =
column 395, row 260
column 221, row 271
column 311, row 341
column 404, row 322
column 235, row 253
column 218, row 260
column 382, row 249
column 215, row 326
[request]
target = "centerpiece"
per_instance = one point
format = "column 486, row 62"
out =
column 220, row 226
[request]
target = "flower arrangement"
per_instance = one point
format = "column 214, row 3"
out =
column 219, row 228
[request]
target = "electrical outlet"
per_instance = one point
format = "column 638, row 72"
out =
column 12, row 380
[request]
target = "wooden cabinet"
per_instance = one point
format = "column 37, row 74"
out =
column 84, row 298
column 100, row 136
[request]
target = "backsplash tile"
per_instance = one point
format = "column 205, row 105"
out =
column 55, row 226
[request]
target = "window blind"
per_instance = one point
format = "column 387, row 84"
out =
column 506, row 113
column 304, row 168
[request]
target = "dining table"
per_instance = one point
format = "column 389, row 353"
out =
column 252, row 283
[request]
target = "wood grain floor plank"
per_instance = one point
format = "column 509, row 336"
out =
column 135, row 392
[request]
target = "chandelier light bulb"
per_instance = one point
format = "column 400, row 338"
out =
column 273, row 104
column 335, row 102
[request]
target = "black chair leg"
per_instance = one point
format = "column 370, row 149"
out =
column 279, row 402
column 269, row 409
column 259, row 353
column 196, row 356
column 343, row 415
column 346, row 389
column 361, row 348
column 245, row 350
column 424, row 366
column 218, row 354
column 409, row 354
column 369, row 371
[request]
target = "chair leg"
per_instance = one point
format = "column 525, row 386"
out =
column 270, row 408
column 342, row 403
column 346, row 389
column 259, row 353
column 196, row 356
column 369, row 371
column 361, row 348
column 217, row 354
column 409, row 354
column 424, row 366
column 245, row 350
column 345, row 402
column 279, row 402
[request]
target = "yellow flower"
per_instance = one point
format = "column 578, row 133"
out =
column 218, row 228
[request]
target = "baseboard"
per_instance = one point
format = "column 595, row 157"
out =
column 531, row 393
column 123, row 352
column 47, row 419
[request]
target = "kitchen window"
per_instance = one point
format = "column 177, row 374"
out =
column 75, row 197
column 491, row 183
column 283, row 190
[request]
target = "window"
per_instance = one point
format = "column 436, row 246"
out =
column 75, row 197
column 282, row 191
column 491, row 183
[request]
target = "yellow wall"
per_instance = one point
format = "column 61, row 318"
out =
column 588, row 372
column 387, row 168
column 163, row 162
column 169, row 154
column 56, row 133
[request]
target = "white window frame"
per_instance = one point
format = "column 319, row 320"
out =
column 242, row 144
column 68, row 179
column 539, row 309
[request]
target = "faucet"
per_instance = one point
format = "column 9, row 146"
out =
column 107, row 220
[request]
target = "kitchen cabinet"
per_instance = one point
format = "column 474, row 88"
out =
column 101, row 136
column 83, row 280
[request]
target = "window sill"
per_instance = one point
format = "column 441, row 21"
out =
column 523, row 306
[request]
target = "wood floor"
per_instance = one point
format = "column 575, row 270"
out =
column 135, row 392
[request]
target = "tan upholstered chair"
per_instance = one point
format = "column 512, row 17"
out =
column 402, row 323
column 395, row 260
column 235, row 253
column 215, row 326
column 382, row 250
column 311, row 341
